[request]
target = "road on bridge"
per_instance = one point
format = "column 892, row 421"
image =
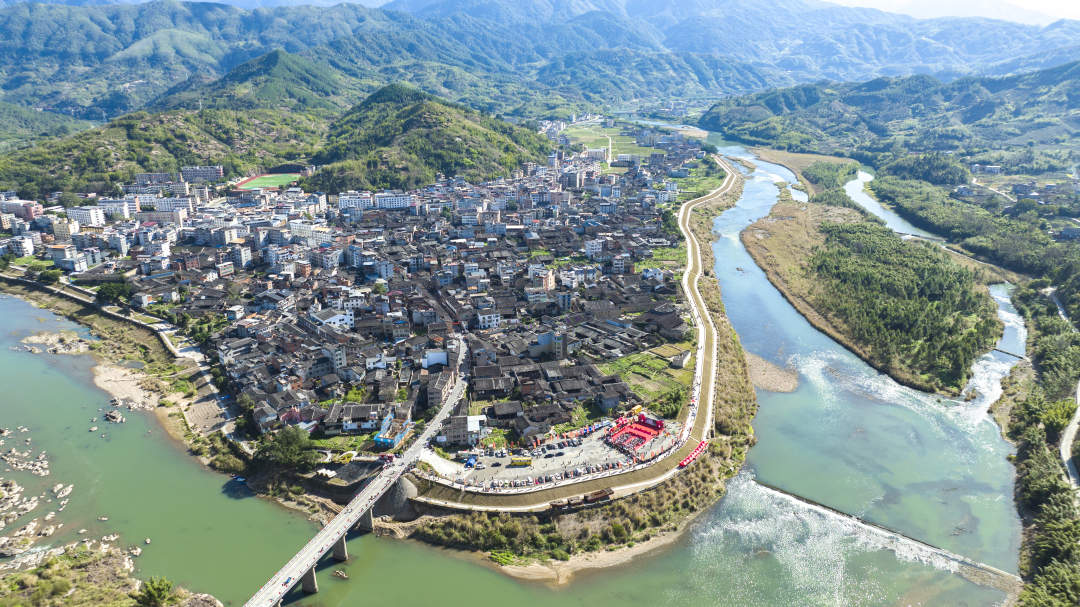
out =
column 305, row 560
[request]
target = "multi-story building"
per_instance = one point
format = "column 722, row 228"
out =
column 240, row 256
column 355, row 200
column 154, row 178
column 203, row 174
column 393, row 200
column 174, row 204
column 27, row 210
column 125, row 207
column 594, row 248
column 87, row 216
column 22, row 246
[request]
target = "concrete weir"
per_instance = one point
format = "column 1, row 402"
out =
column 971, row 570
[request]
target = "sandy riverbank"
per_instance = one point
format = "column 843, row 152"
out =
column 767, row 376
column 559, row 573
column 126, row 384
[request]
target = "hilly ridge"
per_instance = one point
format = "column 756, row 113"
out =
column 501, row 55
column 274, row 80
column 1038, row 110
column 400, row 137
column 397, row 137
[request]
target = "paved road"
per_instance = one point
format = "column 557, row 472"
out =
column 705, row 383
column 304, row 560
column 1068, row 435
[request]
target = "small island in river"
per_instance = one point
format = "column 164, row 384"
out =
column 903, row 306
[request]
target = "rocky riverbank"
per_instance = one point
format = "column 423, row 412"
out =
column 62, row 342
column 85, row 574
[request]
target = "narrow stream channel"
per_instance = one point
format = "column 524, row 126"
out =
column 848, row 437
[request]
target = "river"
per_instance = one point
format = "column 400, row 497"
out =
column 848, row 437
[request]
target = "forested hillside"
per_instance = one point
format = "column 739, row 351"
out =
column 397, row 137
column 500, row 55
column 878, row 121
column 276, row 80
column 400, row 137
column 98, row 159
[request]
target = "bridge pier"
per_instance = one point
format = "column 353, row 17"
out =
column 341, row 551
column 308, row 583
column 367, row 520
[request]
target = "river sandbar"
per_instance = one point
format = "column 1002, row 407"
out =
column 768, row 376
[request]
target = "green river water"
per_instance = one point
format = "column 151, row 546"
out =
column 848, row 437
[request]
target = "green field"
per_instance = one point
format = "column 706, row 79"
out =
column 596, row 136
column 271, row 181
column 648, row 375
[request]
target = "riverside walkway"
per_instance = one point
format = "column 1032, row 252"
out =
column 301, row 567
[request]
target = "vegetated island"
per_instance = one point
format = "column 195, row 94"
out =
column 905, row 307
column 91, row 575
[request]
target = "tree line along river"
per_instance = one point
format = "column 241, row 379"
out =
column 848, row 437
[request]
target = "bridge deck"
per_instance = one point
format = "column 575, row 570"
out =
column 303, row 561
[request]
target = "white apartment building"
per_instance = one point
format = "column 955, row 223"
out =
column 593, row 247
column 355, row 200
column 87, row 216
column 173, row 204
column 393, row 200
column 488, row 319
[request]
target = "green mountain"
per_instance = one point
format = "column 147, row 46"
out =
column 400, row 137
column 19, row 126
column 501, row 55
column 1038, row 111
column 98, row 159
column 397, row 137
column 275, row 80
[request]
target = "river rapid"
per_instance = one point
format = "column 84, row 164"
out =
column 849, row 438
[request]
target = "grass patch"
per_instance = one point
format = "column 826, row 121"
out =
column 665, row 257
column 343, row 443
column 648, row 375
column 595, row 136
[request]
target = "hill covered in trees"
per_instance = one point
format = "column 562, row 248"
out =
column 100, row 158
column 117, row 58
column 400, row 137
column 882, row 120
column 276, row 80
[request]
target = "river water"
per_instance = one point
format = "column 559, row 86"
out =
column 848, row 437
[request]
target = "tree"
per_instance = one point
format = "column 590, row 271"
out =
column 114, row 292
column 155, row 592
column 245, row 401
column 290, row 448
column 49, row 276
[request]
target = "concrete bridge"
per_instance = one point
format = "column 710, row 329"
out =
column 358, row 513
column 970, row 569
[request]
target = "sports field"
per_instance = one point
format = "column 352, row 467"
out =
column 276, row 180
